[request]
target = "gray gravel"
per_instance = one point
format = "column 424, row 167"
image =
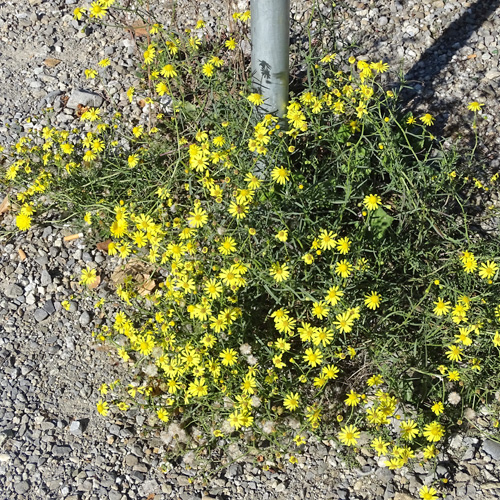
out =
column 53, row 444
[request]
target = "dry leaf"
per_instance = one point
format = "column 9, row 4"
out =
column 72, row 237
column 141, row 103
column 151, row 496
column 51, row 62
column 135, row 268
column 146, row 287
column 95, row 283
column 21, row 253
column 80, row 109
column 138, row 28
column 5, row 205
column 64, row 100
column 471, row 56
column 103, row 246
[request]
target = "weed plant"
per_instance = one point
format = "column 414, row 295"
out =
column 311, row 275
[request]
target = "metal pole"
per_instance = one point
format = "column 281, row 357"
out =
column 270, row 24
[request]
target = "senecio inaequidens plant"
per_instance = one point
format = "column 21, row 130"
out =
column 311, row 275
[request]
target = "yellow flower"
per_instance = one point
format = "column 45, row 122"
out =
column 454, row 353
column 433, row 432
column 353, row 399
column 208, row 69
column 427, row 493
column 409, row 430
column 344, row 322
column 130, row 93
column 280, row 174
column 282, row 235
column 427, row 119
column 88, row 218
column 442, row 308
column 149, row 54
column 23, row 222
column 343, row 245
column 313, row 358
column 103, row 63
column 320, row 309
column 487, row 270
column 133, row 160
column 279, row 272
column 349, row 435
column 437, row 408
column 291, row 401
column 97, row 10
column 372, row 301
column 256, row 99
column 343, row 268
column 88, row 277
column 380, row 446
column 230, row 44
column 90, row 73
column 475, row 106
column 372, row 201
column 327, row 240
column 229, row 357
column 102, row 407
column 198, row 218
column 228, row 246
column 238, row 210
column 78, row 12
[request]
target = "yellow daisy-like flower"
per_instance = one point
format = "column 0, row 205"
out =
column 475, row 106
column 349, row 435
column 291, row 401
column 238, row 210
column 380, row 446
column 313, row 358
column 230, row 44
column 353, row 398
column 409, row 430
column 442, row 308
column 427, row 493
column 434, row 431
column 88, row 277
column 437, row 408
column 198, row 218
column 488, row 270
column 133, row 160
column 256, row 99
column 208, row 69
column 228, row 246
column 454, row 353
column 149, row 54
column 102, row 407
column 372, row 201
column 427, row 119
column 280, row 174
column 97, row 10
column 333, row 295
column 343, row 268
column 372, row 301
column 23, row 222
column 343, row 245
column 229, row 357
column 279, row 272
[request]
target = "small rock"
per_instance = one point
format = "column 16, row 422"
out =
column 40, row 314
column 492, row 448
column 22, row 487
column 61, row 451
column 46, row 279
column 382, row 21
column 75, row 428
column 84, row 318
column 13, row 291
column 85, row 98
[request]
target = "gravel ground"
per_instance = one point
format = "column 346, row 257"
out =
column 53, row 444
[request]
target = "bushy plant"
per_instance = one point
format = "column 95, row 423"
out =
column 315, row 274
